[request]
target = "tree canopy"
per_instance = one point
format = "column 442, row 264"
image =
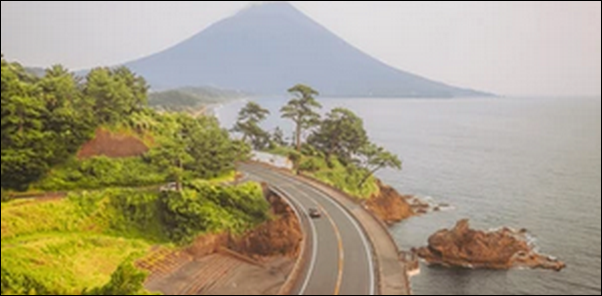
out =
column 341, row 134
column 374, row 158
column 25, row 153
column 248, row 124
column 302, row 110
column 46, row 120
column 116, row 93
column 278, row 138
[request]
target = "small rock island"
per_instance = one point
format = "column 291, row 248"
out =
column 467, row 248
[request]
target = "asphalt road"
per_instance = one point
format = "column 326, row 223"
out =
column 341, row 260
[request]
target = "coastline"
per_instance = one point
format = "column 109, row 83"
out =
column 393, row 269
column 377, row 229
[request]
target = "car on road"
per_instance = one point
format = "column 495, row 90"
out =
column 315, row 213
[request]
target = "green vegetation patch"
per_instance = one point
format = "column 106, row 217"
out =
column 71, row 245
column 336, row 151
column 185, row 99
column 345, row 178
column 102, row 172
column 206, row 208
column 64, row 263
column 66, row 246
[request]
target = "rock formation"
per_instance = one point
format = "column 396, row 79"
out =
column 281, row 236
column 390, row 206
column 467, row 248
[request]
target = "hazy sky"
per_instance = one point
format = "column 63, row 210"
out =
column 512, row 48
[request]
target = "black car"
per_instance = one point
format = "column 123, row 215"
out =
column 315, row 213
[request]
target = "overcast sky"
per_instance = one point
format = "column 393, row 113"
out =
column 511, row 48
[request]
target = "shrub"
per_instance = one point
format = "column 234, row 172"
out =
column 312, row 164
column 5, row 196
column 21, row 284
column 204, row 207
column 126, row 280
column 102, row 172
column 344, row 177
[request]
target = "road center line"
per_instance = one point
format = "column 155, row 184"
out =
column 337, row 290
column 345, row 212
column 341, row 267
column 314, row 231
column 312, row 266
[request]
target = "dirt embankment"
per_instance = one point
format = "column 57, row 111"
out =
column 112, row 145
column 467, row 248
column 281, row 236
column 390, row 206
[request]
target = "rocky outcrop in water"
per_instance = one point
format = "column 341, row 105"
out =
column 467, row 248
column 390, row 206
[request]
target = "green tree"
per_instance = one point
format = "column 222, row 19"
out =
column 136, row 85
column 240, row 151
column 375, row 158
column 341, row 134
column 145, row 120
column 172, row 156
column 116, row 94
column 69, row 116
column 302, row 111
column 197, row 148
column 109, row 97
column 25, row 153
column 213, row 151
column 248, row 124
column 278, row 138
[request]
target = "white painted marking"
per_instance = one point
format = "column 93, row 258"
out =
column 312, row 265
column 353, row 222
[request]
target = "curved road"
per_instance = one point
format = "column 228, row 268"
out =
column 341, row 260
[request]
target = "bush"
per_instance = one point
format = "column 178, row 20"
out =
column 102, row 172
column 204, row 207
column 126, row 280
column 5, row 196
column 312, row 165
column 21, row 284
column 343, row 177
column 283, row 151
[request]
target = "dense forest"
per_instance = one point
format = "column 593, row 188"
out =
column 46, row 120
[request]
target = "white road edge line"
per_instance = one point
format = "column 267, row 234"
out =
column 312, row 265
column 362, row 233
column 338, row 234
column 353, row 222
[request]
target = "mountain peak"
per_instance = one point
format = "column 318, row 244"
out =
column 271, row 9
column 268, row 47
column 273, row 5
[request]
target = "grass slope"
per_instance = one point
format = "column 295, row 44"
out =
column 66, row 246
column 343, row 177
